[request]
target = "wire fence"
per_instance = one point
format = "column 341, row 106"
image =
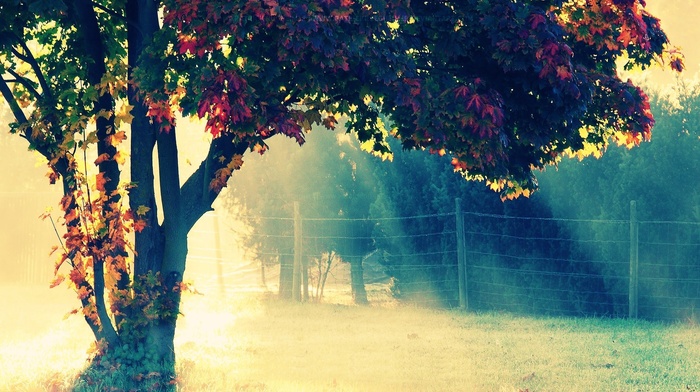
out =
column 547, row 266
column 25, row 240
column 583, row 267
column 534, row 265
column 669, row 264
column 552, row 266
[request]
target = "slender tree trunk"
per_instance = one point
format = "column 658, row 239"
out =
column 357, row 281
column 324, row 277
column 286, row 276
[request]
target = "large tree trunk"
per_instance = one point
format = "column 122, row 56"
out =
column 357, row 281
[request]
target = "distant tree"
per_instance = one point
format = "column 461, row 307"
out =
column 603, row 188
column 503, row 87
column 334, row 198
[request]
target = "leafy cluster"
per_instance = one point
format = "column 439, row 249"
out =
column 504, row 87
column 132, row 367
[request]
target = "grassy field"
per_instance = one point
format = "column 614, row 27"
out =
column 250, row 342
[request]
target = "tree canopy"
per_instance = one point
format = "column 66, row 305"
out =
column 504, row 87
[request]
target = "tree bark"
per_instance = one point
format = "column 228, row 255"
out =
column 158, row 248
column 357, row 281
column 142, row 23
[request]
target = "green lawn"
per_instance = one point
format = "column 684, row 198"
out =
column 252, row 343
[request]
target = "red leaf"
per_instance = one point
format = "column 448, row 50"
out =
column 139, row 225
column 462, row 91
column 76, row 276
column 536, row 20
column 187, row 44
column 563, row 72
column 476, row 101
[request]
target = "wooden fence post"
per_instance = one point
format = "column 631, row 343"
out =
column 461, row 257
column 634, row 261
column 296, row 276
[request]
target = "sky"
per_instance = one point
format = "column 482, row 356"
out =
column 678, row 19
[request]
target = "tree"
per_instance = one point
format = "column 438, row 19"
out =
column 333, row 193
column 620, row 176
column 504, row 87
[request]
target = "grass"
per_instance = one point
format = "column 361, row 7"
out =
column 255, row 343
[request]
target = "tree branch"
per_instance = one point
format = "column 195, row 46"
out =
column 142, row 16
column 196, row 194
column 23, row 81
column 108, row 11
column 29, row 59
column 14, row 106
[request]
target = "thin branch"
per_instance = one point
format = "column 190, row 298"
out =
column 115, row 15
column 108, row 11
column 23, row 81
column 17, row 111
column 20, row 55
column 29, row 59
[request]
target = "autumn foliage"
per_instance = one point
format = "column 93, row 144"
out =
column 504, row 87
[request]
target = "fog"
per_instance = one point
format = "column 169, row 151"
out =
column 340, row 190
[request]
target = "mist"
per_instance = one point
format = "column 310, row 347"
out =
column 384, row 234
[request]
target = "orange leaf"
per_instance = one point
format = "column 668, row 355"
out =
column 236, row 162
column 72, row 312
column 100, row 181
column 83, row 292
column 563, row 72
column 57, row 281
column 139, row 225
column 53, row 249
column 102, row 158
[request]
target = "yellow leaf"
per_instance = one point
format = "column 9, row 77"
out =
column 104, row 114
column 120, row 157
column 117, row 138
column 124, row 115
column 236, row 162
